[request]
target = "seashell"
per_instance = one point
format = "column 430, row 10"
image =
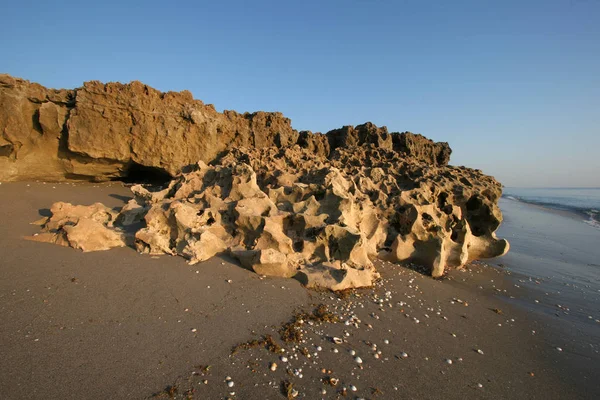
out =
column 358, row 360
column 273, row 367
column 337, row 340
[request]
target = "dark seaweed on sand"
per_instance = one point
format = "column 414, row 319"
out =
column 292, row 332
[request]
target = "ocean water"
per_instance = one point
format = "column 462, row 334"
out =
column 584, row 202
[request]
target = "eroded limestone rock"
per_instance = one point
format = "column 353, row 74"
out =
column 88, row 228
column 319, row 207
column 103, row 131
column 323, row 224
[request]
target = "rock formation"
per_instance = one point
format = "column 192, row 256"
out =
column 317, row 207
column 110, row 131
column 290, row 212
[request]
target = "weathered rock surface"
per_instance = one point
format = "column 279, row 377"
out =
column 88, row 228
column 292, row 213
column 315, row 207
column 111, row 131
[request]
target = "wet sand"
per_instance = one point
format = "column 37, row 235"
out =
column 121, row 325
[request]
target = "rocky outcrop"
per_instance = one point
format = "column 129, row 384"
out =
column 292, row 213
column 317, row 207
column 114, row 131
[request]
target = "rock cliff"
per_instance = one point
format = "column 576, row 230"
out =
column 317, row 207
column 112, row 131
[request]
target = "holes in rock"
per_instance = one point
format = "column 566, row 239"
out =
column 403, row 220
column 137, row 173
column 6, row 150
column 474, row 203
column 298, row 246
column 466, row 182
column 480, row 217
column 35, row 122
column 454, row 236
column 319, row 195
column 442, row 200
column 477, row 230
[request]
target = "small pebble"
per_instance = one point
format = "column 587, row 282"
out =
column 448, row 361
column 284, row 359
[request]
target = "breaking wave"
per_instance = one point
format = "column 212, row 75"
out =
column 583, row 202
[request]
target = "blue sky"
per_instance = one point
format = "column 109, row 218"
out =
column 513, row 86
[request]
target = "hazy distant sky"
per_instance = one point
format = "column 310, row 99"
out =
column 513, row 86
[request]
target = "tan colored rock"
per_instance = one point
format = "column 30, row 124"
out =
column 204, row 248
column 88, row 228
column 324, row 228
column 132, row 213
column 336, row 276
column 319, row 207
column 106, row 131
column 90, row 235
column 269, row 262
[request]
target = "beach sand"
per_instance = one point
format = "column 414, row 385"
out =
column 119, row 325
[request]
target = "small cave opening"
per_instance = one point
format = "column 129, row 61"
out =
column 137, row 173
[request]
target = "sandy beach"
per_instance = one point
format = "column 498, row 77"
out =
column 120, row 325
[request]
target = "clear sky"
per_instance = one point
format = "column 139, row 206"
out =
column 513, row 86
